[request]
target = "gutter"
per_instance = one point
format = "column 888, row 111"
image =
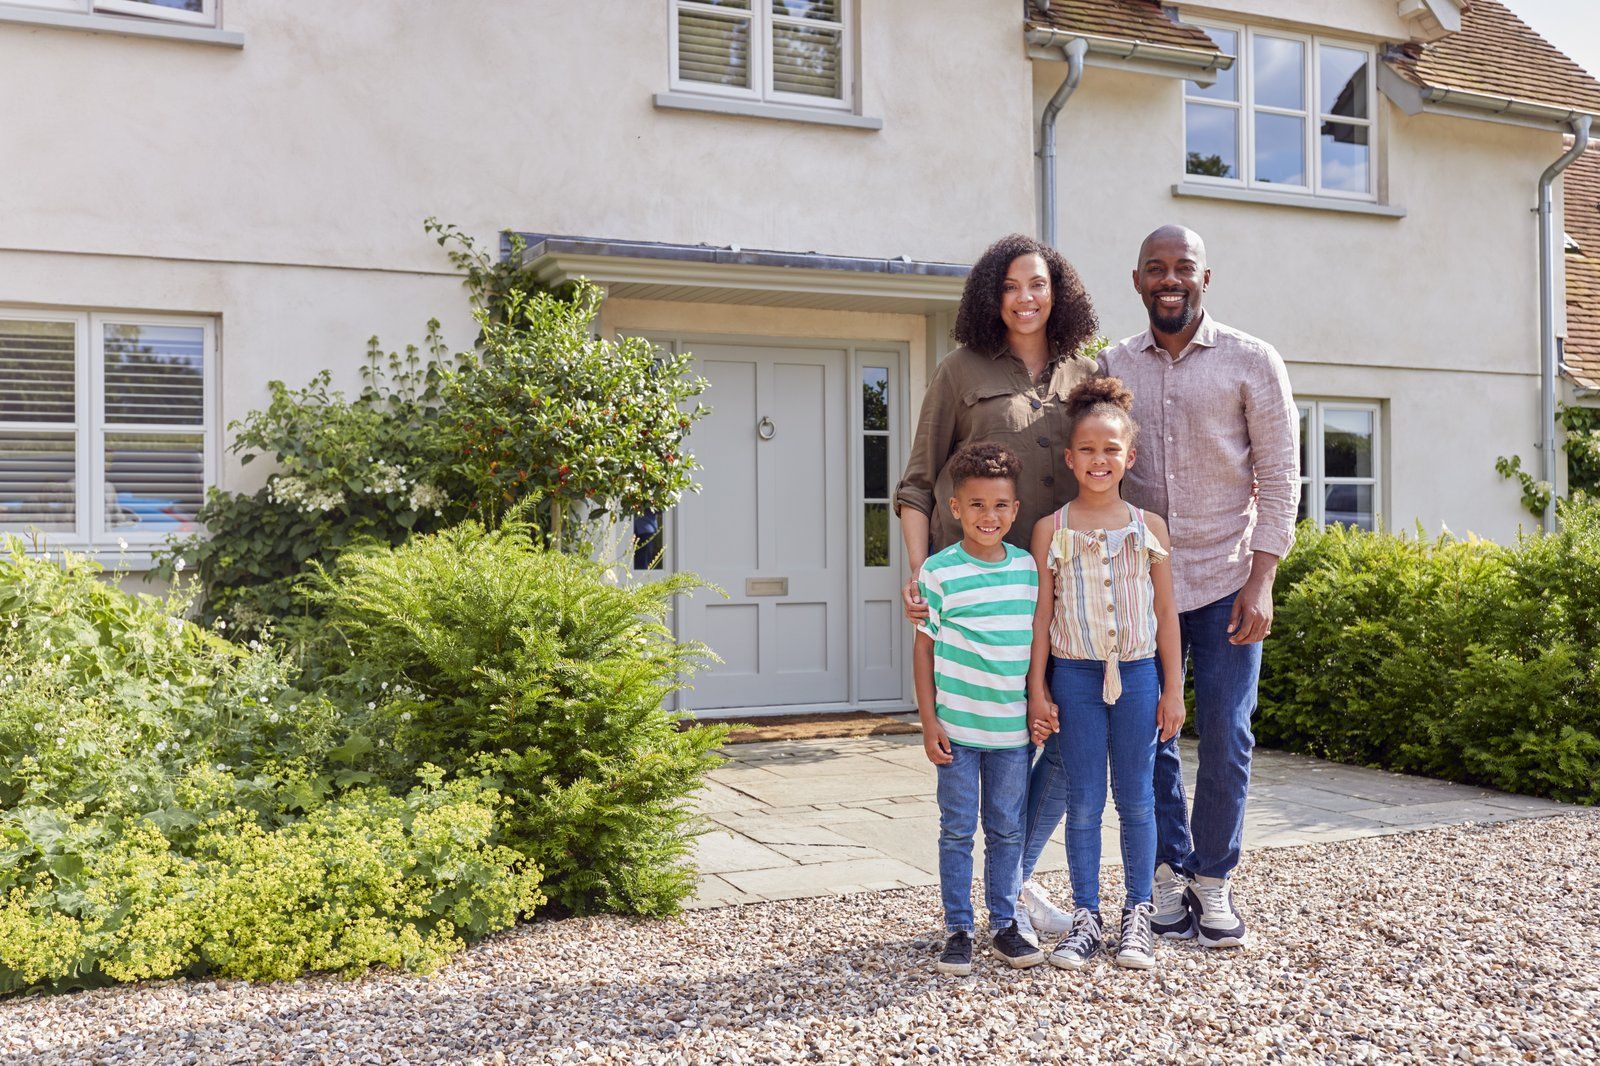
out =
column 1548, row 356
column 1122, row 48
column 1073, row 52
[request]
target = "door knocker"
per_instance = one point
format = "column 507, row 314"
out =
column 765, row 429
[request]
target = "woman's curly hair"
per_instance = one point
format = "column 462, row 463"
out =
column 978, row 324
column 1106, row 397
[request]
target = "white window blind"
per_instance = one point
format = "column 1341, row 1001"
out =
column 107, row 426
column 785, row 51
column 189, row 12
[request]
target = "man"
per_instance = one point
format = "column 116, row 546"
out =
column 1219, row 460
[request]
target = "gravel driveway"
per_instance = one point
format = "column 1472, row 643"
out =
column 1473, row 943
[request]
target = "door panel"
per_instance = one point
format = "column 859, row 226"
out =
column 771, row 511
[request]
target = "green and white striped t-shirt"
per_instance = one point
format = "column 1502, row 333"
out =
column 980, row 616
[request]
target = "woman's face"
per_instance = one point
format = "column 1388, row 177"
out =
column 1025, row 295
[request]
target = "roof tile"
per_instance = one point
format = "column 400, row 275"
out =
column 1581, row 196
column 1128, row 20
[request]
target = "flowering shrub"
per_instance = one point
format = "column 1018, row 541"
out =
column 1460, row 659
column 170, row 802
column 486, row 649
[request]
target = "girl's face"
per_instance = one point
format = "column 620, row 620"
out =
column 1025, row 295
column 1100, row 453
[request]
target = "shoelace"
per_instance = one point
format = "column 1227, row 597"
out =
column 1169, row 894
column 1136, row 932
column 1213, row 898
column 1080, row 938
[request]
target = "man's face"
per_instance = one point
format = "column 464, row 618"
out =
column 1171, row 279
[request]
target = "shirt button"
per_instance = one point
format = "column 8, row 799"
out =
column 1111, row 608
column 1171, row 476
column 1169, row 403
column 1108, row 582
column 1036, row 404
column 1048, row 480
column 1113, row 632
column 1169, row 440
column 1044, row 442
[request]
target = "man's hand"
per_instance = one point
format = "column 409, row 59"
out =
column 916, row 609
column 1170, row 713
column 1251, row 620
column 936, row 744
column 1044, row 718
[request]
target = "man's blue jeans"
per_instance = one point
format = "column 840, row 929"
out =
column 1207, row 843
column 995, row 782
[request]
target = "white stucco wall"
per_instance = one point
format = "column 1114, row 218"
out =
column 1434, row 314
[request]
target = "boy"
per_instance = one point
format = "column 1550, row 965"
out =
column 971, row 664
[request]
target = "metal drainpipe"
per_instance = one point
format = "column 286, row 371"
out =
column 1074, row 51
column 1547, row 309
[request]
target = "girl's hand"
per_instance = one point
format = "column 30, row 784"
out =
column 1170, row 713
column 1044, row 718
column 936, row 744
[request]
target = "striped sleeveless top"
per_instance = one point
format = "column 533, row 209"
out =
column 1105, row 602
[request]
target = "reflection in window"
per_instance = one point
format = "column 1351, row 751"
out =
column 787, row 51
column 875, row 465
column 649, row 542
column 1339, row 463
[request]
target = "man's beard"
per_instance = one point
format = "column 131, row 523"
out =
column 1173, row 323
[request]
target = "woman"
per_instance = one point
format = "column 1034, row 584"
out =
column 1024, row 315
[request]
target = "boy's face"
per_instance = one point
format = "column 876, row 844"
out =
column 985, row 507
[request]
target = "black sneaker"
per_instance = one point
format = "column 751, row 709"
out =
column 1011, row 945
column 957, row 956
column 1082, row 942
column 1216, row 919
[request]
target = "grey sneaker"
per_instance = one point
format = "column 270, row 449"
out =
column 1081, row 943
column 1216, row 919
column 1136, row 947
column 956, row 958
column 1172, row 919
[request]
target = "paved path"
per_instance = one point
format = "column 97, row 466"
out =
column 801, row 818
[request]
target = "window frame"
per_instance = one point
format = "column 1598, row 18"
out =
column 1314, row 483
column 90, row 425
column 1245, row 111
column 206, row 16
column 762, row 21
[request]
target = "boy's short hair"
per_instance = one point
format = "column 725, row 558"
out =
column 984, row 459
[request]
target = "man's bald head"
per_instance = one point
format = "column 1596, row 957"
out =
column 1178, row 236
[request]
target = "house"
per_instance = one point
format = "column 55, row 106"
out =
column 1581, row 347
column 203, row 195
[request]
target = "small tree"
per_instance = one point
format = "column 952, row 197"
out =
column 589, row 429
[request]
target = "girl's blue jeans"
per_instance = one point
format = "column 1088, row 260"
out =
column 1070, row 775
column 995, row 782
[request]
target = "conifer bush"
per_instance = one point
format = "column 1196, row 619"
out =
column 1455, row 658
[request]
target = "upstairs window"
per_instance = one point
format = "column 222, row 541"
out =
column 796, row 52
column 191, row 12
column 1293, row 114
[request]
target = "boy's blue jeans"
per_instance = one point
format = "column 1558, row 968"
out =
column 1207, row 843
column 1070, row 775
column 995, row 782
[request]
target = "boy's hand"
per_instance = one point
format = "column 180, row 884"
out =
column 1170, row 713
column 936, row 744
column 1043, row 719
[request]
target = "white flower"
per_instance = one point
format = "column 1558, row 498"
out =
column 47, row 557
column 8, row 679
column 48, row 644
column 185, row 732
column 161, row 746
column 61, row 742
column 122, row 544
column 371, row 706
column 179, row 565
column 273, row 717
column 428, row 497
column 406, row 717
column 133, row 788
column 13, row 623
column 221, row 624
column 385, row 685
column 165, row 684
column 38, row 727
column 222, row 767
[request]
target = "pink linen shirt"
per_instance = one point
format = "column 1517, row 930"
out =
column 1218, row 452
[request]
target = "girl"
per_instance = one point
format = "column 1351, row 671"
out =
column 1107, row 616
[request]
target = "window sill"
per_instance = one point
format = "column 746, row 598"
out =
column 720, row 105
column 1286, row 199
column 120, row 26
column 137, row 559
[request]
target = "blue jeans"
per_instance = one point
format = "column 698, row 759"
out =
column 996, row 782
column 1094, row 733
column 1207, row 843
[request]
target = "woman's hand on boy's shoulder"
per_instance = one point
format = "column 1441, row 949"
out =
column 936, row 744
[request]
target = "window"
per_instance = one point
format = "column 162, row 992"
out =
column 875, row 465
column 107, row 425
column 780, row 51
column 1339, row 463
column 1294, row 114
column 193, row 12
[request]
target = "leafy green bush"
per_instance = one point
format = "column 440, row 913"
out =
column 489, row 650
column 1459, row 659
column 1582, row 448
column 170, row 803
column 373, row 467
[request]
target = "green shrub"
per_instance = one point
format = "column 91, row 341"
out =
column 1459, row 659
column 489, row 650
column 170, row 803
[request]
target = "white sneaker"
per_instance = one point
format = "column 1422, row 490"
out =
column 1216, row 918
column 1172, row 918
column 1046, row 917
column 1136, row 947
column 1025, row 925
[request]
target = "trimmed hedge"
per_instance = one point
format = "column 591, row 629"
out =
column 1458, row 659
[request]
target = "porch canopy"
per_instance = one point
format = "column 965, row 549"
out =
column 700, row 273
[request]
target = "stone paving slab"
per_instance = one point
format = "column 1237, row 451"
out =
column 791, row 819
